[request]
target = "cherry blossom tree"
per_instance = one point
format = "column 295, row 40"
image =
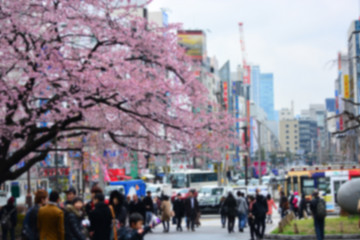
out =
column 85, row 66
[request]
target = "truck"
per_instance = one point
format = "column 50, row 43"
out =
column 130, row 187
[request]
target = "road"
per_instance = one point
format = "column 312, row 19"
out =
column 209, row 230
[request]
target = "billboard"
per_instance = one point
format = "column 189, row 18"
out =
column 194, row 43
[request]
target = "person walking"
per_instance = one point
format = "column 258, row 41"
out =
column 166, row 213
column 303, row 211
column 179, row 210
column 284, row 204
column 50, row 220
column 73, row 220
column 251, row 217
column 191, row 210
column 295, row 204
column 100, row 219
column 318, row 210
column 116, row 201
column 136, row 206
column 242, row 208
column 231, row 205
column 291, row 201
column 271, row 204
column 8, row 216
column 149, row 208
column 260, row 208
column 30, row 230
column 223, row 212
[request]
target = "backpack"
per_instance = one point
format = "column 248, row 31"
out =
column 6, row 219
column 321, row 209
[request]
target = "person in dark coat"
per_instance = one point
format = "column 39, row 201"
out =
column 223, row 212
column 284, row 204
column 73, row 220
column 100, row 219
column 90, row 205
column 70, row 196
column 30, row 230
column 319, row 221
column 259, row 210
column 136, row 231
column 231, row 206
column 303, row 207
column 191, row 210
column 8, row 216
column 136, row 206
column 251, row 217
column 149, row 208
column 117, row 202
column 179, row 210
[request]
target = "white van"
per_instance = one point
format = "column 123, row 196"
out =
column 209, row 196
column 158, row 189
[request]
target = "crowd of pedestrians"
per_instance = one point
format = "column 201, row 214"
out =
column 251, row 211
column 130, row 218
column 119, row 218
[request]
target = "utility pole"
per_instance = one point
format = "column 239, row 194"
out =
column 260, row 150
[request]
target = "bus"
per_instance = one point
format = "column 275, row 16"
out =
column 326, row 179
column 194, row 179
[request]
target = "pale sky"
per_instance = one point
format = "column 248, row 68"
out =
column 297, row 40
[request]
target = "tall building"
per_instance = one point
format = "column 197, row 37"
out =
column 267, row 94
column 255, row 85
column 289, row 135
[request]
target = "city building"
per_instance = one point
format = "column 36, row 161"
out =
column 255, row 84
column 286, row 114
column 266, row 96
column 307, row 136
column 354, row 69
column 289, row 135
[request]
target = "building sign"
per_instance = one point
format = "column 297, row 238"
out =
column 346, row 86
column 51, row 171
column 225, row 93
column 194, row 43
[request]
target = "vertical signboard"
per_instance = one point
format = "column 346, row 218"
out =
column 225, row 93
column 346, row 86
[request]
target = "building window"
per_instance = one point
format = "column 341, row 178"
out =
column 288, row 148
column 295, row 125
column 287, row 125
column 287, row 137
column 287, row 143
column 295, row 137
column 287, row 131
column 295, row 142
column 296, row 148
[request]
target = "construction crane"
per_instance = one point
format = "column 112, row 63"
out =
column 246, row 82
